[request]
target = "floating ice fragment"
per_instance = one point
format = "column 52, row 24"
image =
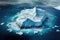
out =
column 56, row 26
column 57, row 30
column 20, row 33
column 58, row 7
column 10, row 30
column 2, row 23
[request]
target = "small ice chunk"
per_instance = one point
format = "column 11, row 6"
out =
column 2, row 23
column 58, row 7
column 56, row 26
column 20, row 33
column 57, row 30
column 10, row 30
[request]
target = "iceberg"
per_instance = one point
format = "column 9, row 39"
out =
column 32, row 18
